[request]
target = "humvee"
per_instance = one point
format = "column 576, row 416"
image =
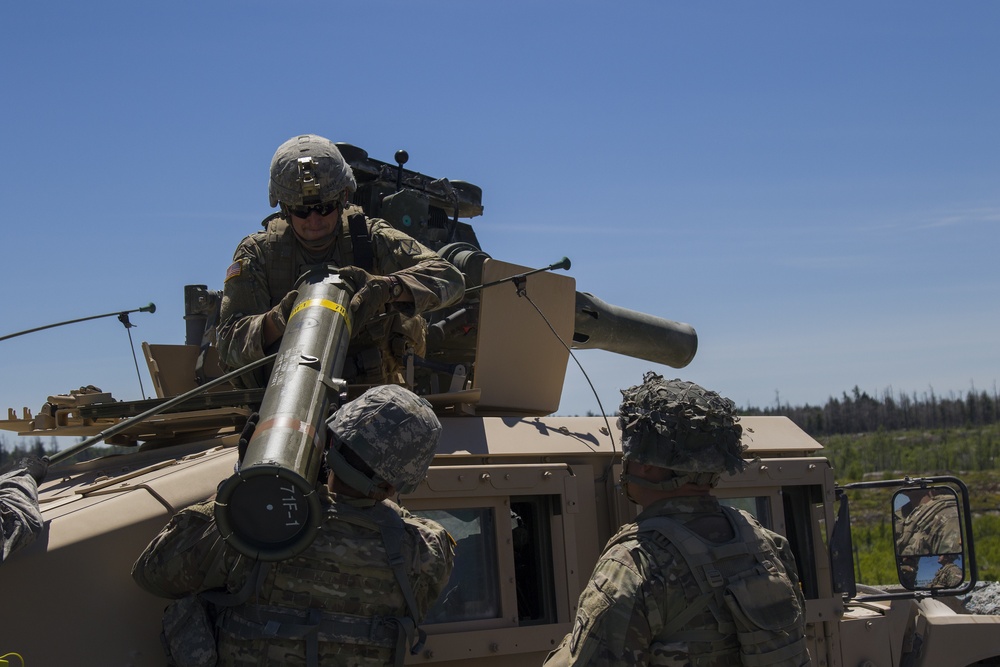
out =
column 530, row 497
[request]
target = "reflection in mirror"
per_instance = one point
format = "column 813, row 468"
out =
column 473, row 591
column 928, row 538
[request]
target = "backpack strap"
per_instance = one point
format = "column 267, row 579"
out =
column 254, row 580
column 701, row 558
column 361, row 242
column 392, row 529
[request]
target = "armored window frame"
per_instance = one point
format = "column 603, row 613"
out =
column 550, row 488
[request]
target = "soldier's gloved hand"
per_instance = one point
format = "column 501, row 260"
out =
column 371, row 294
column 280, row 313
column 36, row 467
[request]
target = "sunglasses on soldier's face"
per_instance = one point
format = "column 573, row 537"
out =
column 325, row 208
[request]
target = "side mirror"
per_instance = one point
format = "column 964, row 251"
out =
column 927, row 533
column 932, row 540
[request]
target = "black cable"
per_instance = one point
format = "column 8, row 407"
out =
column 123, row 318
column 611, row 434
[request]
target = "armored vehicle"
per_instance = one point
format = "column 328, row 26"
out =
column 530, row 498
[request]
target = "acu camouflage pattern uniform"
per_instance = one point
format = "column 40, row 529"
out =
column 667, row 588
column 345, row 572
column 20, row 519
column 267, row 264
column 341, row 601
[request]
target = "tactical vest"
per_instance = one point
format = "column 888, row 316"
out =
column 307, row 600
column 375, row 353
column 924, row 530
column 280, row 249
column 744, row 585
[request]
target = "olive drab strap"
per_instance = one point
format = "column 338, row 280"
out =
column 744, row 586
column 255, row 578
column 279, row 257
column 361, row 242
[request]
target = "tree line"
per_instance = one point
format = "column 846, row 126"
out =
column 37, row 447
column 859, row 412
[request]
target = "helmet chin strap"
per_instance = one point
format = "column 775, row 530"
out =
column 350, row 475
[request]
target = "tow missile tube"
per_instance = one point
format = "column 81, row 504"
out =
column 270, row 509
column 598, row 325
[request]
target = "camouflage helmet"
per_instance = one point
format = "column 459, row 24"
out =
column 681, row 426
column 391, row 429
column 307, row 170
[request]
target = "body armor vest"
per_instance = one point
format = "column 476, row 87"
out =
column 282, row 265
column 375, row 354
column 360, row 601
column 745, row 587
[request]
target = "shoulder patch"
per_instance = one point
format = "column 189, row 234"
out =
column 235, row 269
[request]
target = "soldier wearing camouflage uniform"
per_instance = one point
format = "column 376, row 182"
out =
column 691, row 582
column 394, row 277
column 20, row 518
column 356, row 594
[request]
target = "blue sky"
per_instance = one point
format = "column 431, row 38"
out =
column 815, row 188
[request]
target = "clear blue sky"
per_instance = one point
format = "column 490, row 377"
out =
column 814, row 187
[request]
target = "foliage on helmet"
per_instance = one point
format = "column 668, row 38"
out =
column 307, row 170
column 391, row 429
column 681, row 426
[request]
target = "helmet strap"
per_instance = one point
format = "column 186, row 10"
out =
column 350, row 475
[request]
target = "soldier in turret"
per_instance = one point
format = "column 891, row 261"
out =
column 20, row 518
column 691, row 582
column 394, row 277
column 354, row 596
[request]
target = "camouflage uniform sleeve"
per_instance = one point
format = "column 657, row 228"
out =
column 433, row 560
column 612, row 624
column 787, row 558
column 434, row 282
column 245, row 299
column 20, row 518
column 188, row 556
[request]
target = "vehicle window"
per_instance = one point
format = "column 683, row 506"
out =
column 473, row 591
column 532, row 540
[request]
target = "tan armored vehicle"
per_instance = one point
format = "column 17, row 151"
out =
column 530, row 498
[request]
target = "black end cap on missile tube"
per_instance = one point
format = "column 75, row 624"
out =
column 268, row 513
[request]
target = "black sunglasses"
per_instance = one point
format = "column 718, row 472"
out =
column 326, row 208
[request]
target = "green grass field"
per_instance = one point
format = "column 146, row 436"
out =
column 970, row 454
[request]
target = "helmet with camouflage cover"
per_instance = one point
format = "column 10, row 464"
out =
column 680, row 426
column 308, row 170
column 392, row 431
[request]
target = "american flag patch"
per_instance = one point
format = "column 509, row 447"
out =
column 235, row 269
